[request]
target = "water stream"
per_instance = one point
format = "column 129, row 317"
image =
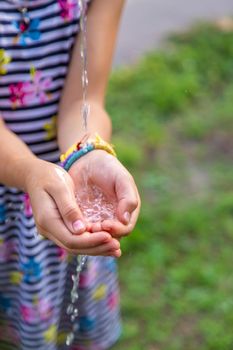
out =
column 83, row 55
column 72, row 309
column 95, row 206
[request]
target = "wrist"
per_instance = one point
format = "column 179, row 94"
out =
column 70, row 123
column 86, row 145
column 28, row 166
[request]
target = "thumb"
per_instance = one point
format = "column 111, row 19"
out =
column 69, row 209
column 125, row 208
column 127, row 199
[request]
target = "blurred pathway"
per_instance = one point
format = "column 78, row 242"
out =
column 146, row 22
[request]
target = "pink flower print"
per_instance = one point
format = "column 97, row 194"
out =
column 41, row 311
column 6, row 250
column 67, row 9
column 62, row 253
column 44, row 309
column 37, row 88
column 28, row 314
column 113, row 300
column 27, row 205
column 17, row 94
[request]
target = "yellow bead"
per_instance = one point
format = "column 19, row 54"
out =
column 98, row 143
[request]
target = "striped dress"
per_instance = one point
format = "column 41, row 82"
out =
column 35, row 274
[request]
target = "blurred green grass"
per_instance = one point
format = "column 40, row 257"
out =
column 173, row 129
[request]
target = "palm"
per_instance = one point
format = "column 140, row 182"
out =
column 96, row 171
column 104, row 171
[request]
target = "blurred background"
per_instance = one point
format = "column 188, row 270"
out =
column 171, row 100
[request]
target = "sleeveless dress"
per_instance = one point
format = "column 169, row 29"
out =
column 35, row 274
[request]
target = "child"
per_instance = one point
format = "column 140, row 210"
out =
column 40, row 99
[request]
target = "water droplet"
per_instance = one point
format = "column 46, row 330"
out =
column 78, row 268
column 70, row 309
column 73, row 317
column 74, row 279
column 74, row 297
column 85, row 83
column 69, row 338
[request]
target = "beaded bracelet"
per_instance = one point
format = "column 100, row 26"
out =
column 79, row 149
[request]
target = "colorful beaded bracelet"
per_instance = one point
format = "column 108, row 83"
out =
column 79, row 149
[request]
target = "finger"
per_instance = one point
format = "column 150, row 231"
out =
column 128, row 198
column 108, row 249
column 112, row 227
column 103, row 249
column 84, row 242
column 119, row 230
column 115, row 227
column 96, row 226
column 52, row 226
column 63, row 195
column 112, row 253
column 115, row 253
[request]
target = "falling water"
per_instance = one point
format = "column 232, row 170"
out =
column 85, row 110
column 72, row 309
column 95, row 206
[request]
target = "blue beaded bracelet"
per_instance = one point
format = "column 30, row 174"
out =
column 76, row 155
column 79, row 149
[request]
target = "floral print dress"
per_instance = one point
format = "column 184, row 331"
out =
column 35, row 274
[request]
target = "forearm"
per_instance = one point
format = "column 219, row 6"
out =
column 102, row 26
column 15, row 158
column 71, row 127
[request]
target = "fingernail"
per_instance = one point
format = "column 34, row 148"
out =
column 127, row 217
column 117, row 245
column 107, row 238
column 118, row 253
column 78, row 226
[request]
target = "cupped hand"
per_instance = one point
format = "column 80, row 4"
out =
column 105, row 171
column 57, row 215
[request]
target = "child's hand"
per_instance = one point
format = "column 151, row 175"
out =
column 57, row 215
column 106, row 172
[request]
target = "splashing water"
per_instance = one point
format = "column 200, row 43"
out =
column 96, row 207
